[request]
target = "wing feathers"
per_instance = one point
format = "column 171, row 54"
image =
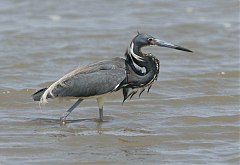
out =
column 94, row 79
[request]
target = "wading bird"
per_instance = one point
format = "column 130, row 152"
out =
column 136, row 72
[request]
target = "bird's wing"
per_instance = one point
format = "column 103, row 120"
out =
column 91, row 80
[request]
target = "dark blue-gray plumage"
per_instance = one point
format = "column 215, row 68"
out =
column 136, row 72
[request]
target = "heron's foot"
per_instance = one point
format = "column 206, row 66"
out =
column 64, row 117
column 63, row 120
column 100, row 119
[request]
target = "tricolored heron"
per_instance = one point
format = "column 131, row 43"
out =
column 133, row 73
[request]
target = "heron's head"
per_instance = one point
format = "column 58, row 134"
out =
column 143, row 39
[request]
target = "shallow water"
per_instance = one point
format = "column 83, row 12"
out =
column 190, row 116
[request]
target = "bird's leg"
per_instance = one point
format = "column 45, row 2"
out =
column 100, row 101
column 65, row 115
column 101, row 114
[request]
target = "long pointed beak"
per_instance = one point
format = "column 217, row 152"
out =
column 169, row 45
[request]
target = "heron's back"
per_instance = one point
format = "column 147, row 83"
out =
column 94, row 79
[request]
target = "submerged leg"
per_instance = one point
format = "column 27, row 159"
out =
column 100, row 101
column 65, row 115
column 100, row 114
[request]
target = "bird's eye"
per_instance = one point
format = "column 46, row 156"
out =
column 150, row 39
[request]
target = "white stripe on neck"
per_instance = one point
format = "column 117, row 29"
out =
column 137, row 57
column 131, row 53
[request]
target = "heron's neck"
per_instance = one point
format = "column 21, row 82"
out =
column 137, row 59
column 144, row 65
column 135, row 53
column 142, row 70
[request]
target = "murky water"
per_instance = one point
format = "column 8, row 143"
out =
column 190, row 116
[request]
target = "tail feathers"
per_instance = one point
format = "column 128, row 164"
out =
column 37, row 96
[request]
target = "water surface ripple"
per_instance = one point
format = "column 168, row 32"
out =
column 190, row 116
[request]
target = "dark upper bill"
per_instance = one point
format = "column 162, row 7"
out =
column 169, row 45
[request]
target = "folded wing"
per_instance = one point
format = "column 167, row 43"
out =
column 92, row 80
